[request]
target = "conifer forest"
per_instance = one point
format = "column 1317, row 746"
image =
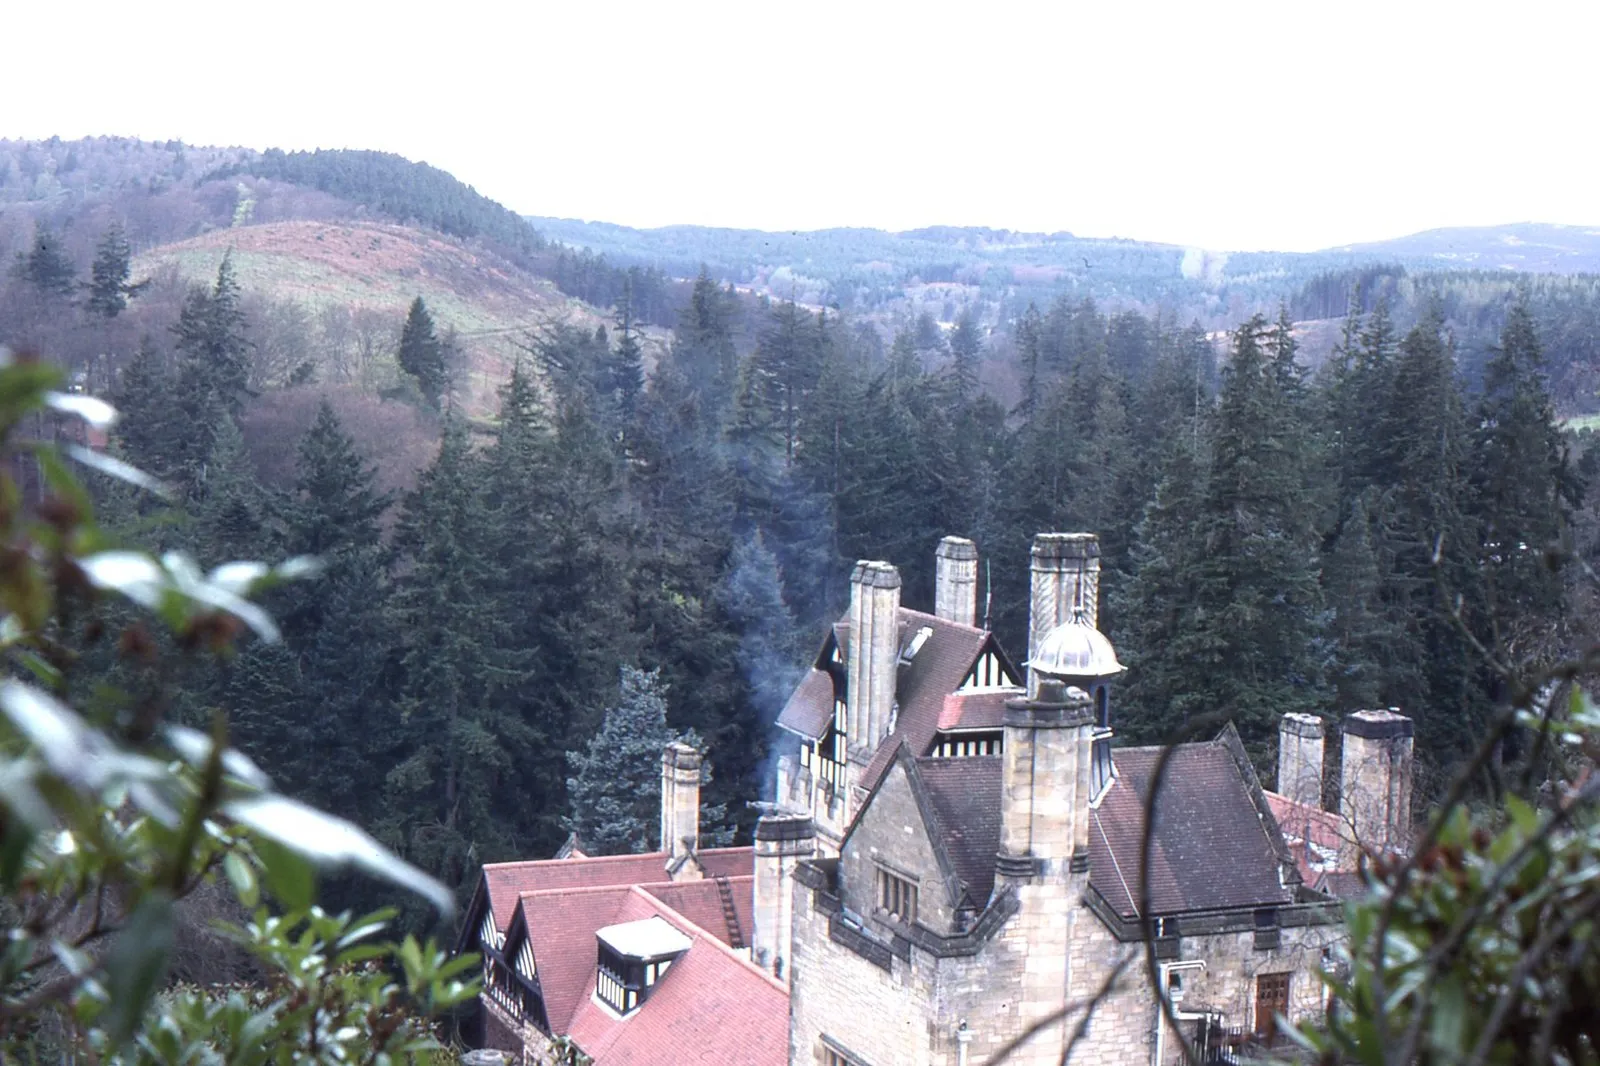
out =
column 548, row 547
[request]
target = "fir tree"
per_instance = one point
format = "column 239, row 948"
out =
column 1522, row 480
column 337, row 507
column 46, row 266
column 212, row 346
column 422, row 354
column 109, row 289
column 614, row 791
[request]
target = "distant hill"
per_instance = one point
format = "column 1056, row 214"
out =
column 928, row 269
column 1530, row 247
column 354, row 265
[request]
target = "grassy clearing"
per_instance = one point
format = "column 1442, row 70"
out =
column 1578, row 423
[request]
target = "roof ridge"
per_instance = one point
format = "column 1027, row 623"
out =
column 705, row 936
column 609, row 859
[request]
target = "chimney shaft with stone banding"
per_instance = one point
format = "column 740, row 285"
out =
column 955, row 581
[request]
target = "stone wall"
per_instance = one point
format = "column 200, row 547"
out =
column 890, row 835
column 905, row 1007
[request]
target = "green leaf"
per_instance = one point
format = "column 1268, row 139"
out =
column 137, row 965
column 330, row 841
column 1449, row 1016
column 288, row 876
column 1522, row 815
column 241, row 877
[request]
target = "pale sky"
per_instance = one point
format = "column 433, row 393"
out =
column 1222, row 125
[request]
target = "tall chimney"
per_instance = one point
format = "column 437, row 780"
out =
column 1044, row 801
column 1375, row 784
column 1066, row 578
column 955, row 581
column 1300, row 741
column 874, row 654
column 782, row 841
column 680, row 805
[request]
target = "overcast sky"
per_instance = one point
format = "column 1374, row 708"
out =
column 1288, row 125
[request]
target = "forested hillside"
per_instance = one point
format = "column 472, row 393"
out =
column 621, row 528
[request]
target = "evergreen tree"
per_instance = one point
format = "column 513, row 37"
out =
column 422, row 354
column 1246, row 632
column 1522, row 481
column 45, row 265
column 703, row 348
column 338, row 506
column 212, row 347
column 624, row 367
column 966, row 349
column 453, row 746
column 615, row 787
column 109, row 289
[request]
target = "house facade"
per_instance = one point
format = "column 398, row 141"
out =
column 957, row 862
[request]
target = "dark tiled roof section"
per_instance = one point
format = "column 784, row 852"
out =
column 712, row 1008
column 965, row 794
column 810, row 706
column 975, row 710
column 1342, row 884
column 506, row 880
column 937, row 671
column 1211, row 849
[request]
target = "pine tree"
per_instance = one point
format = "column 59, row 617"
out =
column 1523, row 483
column 421, row 353
column 1244, row 631
column 337, row 507
column 109, row 289
column 614, row 791
column 454, row 748
column 46, row 265
column 751, row 595
column 966, row 349
column 212, row 345
column 624, row 368
column 703, row 349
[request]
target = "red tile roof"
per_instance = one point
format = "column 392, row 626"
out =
column 712, row 1007
column 505, row 880
column 810, row 706
column 984, row 709
column 1313, row 835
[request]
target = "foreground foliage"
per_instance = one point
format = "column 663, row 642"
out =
column 113, row 817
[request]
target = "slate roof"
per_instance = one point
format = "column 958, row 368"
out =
column 810, row 706
column 920, row 689
column 965, row 797
column 505, row 880
column 1214, row 846
column 937, row 671
column 712, row 1007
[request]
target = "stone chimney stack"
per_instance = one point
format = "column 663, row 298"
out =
column 1066, row 578
column 874, row 654
column 1375, row 783
column 783, row 840
column 1300, row 739
column 955, row 581
column 680, row 804
column 1044, row 802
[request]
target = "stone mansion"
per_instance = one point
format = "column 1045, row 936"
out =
column 956, row 862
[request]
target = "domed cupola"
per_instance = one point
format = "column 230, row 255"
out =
column 1080, row 655
column 1076, row 651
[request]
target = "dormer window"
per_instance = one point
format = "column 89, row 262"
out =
column 634, row 957
column 914, row 645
